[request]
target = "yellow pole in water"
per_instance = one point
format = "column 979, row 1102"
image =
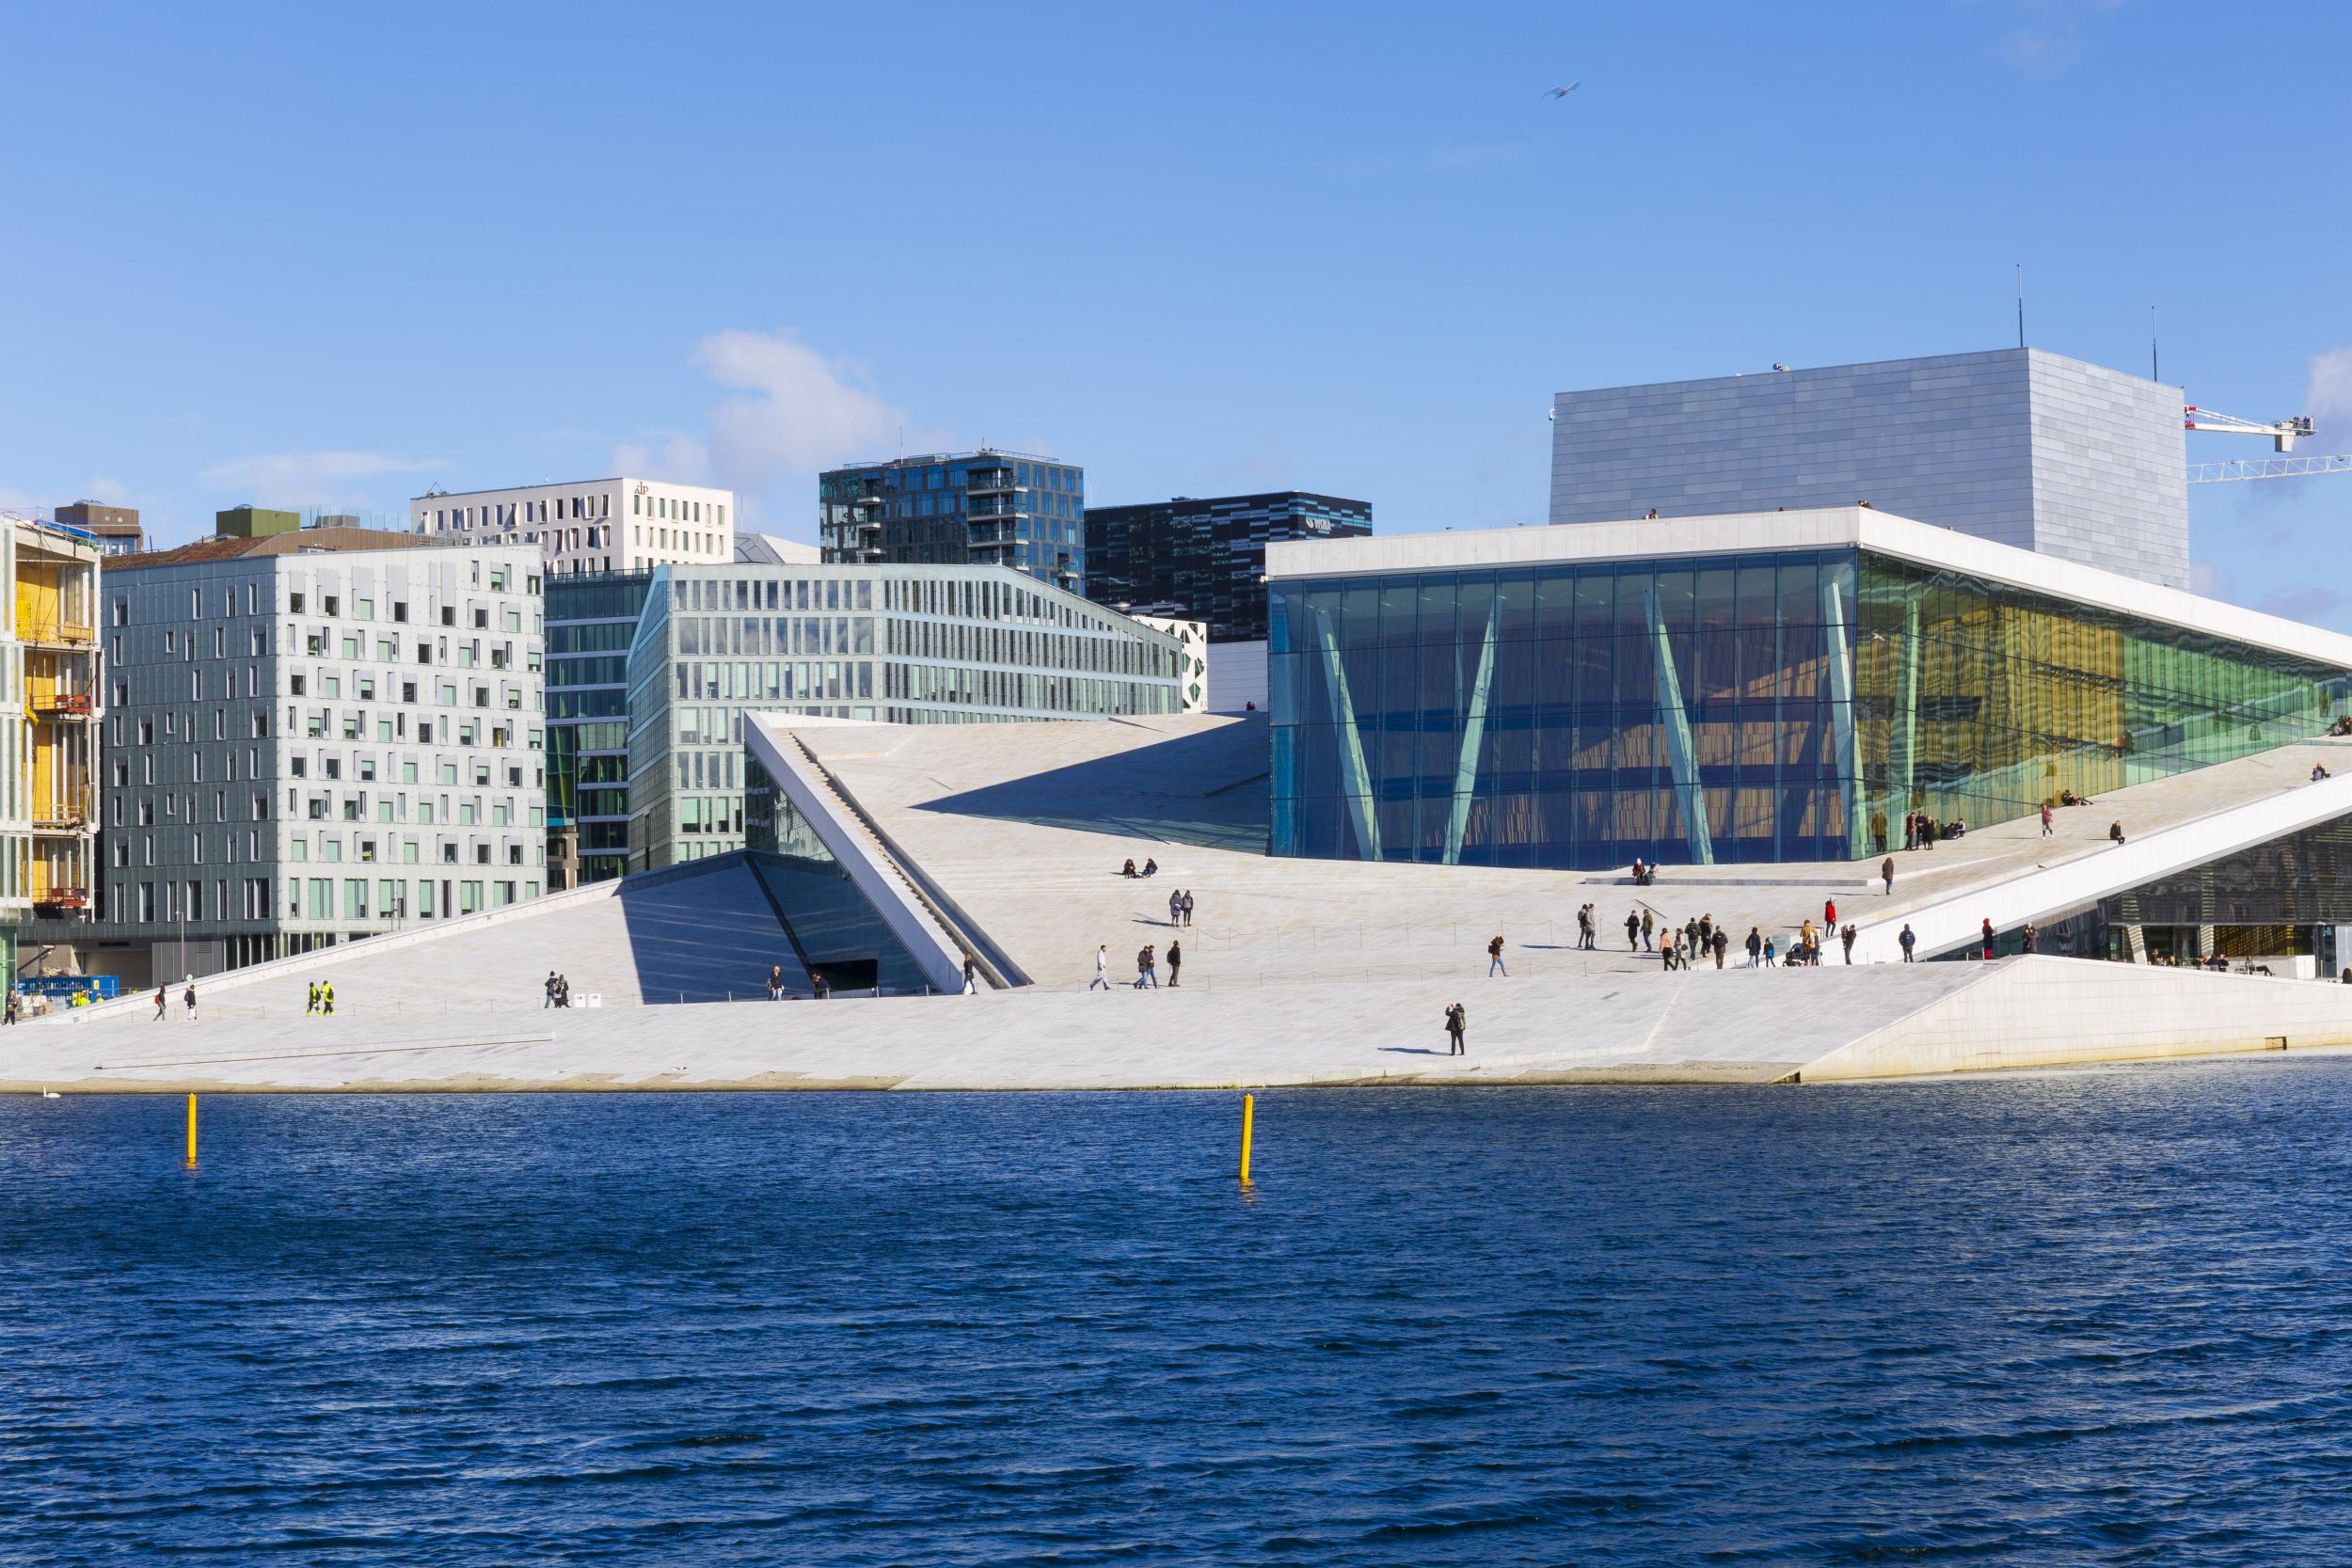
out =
column 191, row 1131
column 1249, row 1112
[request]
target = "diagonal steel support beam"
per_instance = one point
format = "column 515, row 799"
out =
column 1474, row 735
column 1358, row 778
column 1677, row 720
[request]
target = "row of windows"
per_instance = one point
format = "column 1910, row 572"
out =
column 315, row 898
column 201, row 848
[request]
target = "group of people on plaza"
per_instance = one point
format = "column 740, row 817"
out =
column 558, row 991
column 1147, row 967
column 1921, row 830
column 1147, row 959
column 819, row 986
column 187, row 1000
column 322, row 1000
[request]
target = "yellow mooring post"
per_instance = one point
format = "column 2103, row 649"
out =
column 1249, row 1112
column 191, row 1131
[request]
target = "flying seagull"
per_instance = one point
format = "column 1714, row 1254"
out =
column 1560, row 93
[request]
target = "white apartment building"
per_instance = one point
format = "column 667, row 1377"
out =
column 591, row 525
column 312, row 738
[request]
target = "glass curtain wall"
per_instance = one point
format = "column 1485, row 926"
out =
column 1977, row 702
column 1572, row 715
column 1786, row 707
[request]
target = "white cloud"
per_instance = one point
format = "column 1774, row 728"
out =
column 2328, row 396
column 113, row 492
column 795, row 411
column 308, row 478
column 800, row 411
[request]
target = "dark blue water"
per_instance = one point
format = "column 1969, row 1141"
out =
column 2097, row 1317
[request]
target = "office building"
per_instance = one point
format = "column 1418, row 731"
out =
column 596, row 525
column 49, row 717
column 956, row 509
column 591, row 620
column 903, row 645
column 1205, row 556
column 115, row 528
column 2018, row 446
column 313, row 736
column 1771, row 687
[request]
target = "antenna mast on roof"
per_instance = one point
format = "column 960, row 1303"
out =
column 2021, row 305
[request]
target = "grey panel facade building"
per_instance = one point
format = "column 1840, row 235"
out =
column 2019, row 446
column 311, row 738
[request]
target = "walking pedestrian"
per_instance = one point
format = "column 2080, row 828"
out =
column 1771, row 954
column 1888, row 871
column 1988, row 936
column 549, row 1000
column 14, row 1004
column 1723, row 943
column 2029, row 937
column 1144, row 977
column 1648, row 928
column 1102, row 967
column 311, row 1006
column 1632, row 931
column 187, row 1000
column 2045, row 819
column 1187, row 908
column 971, row 976
column 326, row 998
column 1456, row 1026
column 1847, row 937
column 161, row 1005
column 1756, row 947
column 1494, row 960
column 1175, row 906
column 1175, row 965
column 1907, row 940
column 1911, row 830
column 1829, row 913
column 1584, row 929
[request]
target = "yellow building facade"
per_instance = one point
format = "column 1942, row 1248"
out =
column 50, row 705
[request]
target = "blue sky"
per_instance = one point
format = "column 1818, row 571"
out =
column 329, row 255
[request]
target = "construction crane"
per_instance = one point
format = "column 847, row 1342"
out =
column 2283, row 433
column 2267, row 467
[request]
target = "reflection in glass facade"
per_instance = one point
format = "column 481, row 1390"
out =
column 1753, row 708
column 590, row 620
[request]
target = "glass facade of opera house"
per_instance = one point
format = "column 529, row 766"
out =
column 1759, row 706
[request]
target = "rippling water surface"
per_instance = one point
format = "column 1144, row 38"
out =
column 2093, row 1318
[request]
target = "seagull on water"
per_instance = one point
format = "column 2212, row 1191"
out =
column 1560, row 93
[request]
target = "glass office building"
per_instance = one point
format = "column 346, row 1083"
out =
column 591, row 620
column 1586, row 705
column 896, row 645
column 956, row 509
column 1205, row 556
